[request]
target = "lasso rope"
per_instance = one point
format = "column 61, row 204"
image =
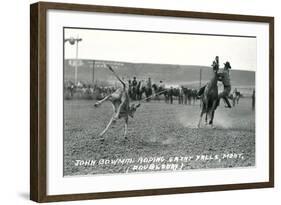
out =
column 152, row 96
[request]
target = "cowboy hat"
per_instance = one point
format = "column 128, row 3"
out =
column 227, row 64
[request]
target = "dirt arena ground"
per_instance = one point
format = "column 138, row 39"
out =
column 161, row 137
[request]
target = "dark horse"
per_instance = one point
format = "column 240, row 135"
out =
column 175, row 92
column 194, row 95
column 187, row 95
column 210, row 98
column 160, row 91
column 143, row 87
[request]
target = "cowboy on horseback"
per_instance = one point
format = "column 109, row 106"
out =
column 161, row 85
column 216, row 64
column 210, row 97
column 224, row 77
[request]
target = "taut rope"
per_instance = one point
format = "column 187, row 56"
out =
column 151, row 96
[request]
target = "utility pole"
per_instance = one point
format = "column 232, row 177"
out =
column 76, row 64
column 72, row 41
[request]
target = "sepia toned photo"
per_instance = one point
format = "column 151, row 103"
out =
column 143, row 101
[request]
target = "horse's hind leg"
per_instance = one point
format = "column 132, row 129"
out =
column 201, row 115
column 206, row 118
column 207, row 112
column 212, row 118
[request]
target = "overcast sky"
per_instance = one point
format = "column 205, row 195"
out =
column 161, row 48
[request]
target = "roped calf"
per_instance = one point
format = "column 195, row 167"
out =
column 121, row 105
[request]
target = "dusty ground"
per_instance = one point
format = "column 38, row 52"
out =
column 158, row 130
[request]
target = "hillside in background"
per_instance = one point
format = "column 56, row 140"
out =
column 170, row 74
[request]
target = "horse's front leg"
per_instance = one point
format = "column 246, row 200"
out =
column 200, row 120
column 212, row 113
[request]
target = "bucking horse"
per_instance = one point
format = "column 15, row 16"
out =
column 210, row 98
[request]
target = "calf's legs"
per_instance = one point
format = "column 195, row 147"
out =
column 107, row 127
column 98, row 103
column 126, row 128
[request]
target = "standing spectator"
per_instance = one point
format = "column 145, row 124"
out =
column 134, row 82
column 134, row 88
column 149, row 82
column 130, row 89
column 225, row 78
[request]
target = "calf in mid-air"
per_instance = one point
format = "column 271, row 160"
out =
column 121, row 105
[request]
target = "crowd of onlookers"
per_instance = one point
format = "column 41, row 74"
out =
column 86, row 91
column 141, row 89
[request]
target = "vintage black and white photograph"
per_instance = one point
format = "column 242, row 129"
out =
column 149, row 101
